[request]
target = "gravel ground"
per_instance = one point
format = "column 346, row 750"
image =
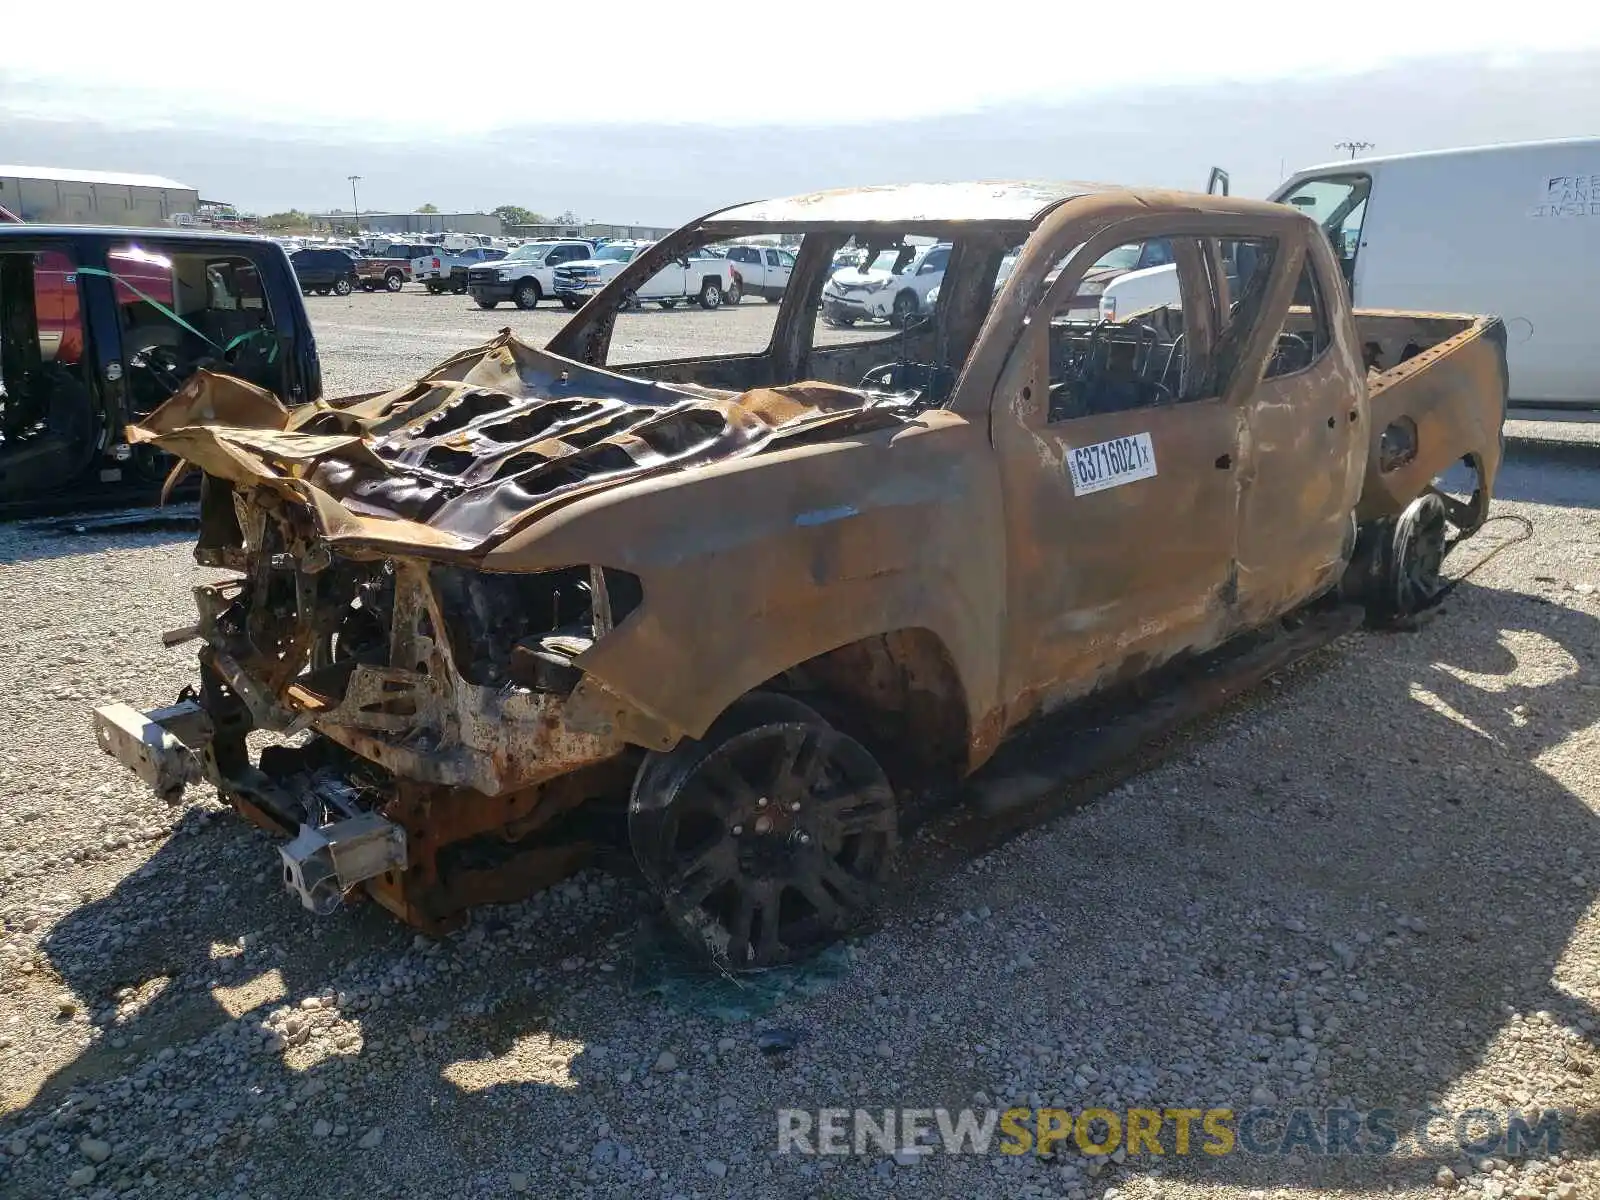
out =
column 1371, row 884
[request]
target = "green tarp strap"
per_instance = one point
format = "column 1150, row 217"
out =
column 148, row 299
column 272, row 352
column 272, row 355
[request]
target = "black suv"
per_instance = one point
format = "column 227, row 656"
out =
column 99, row 327
column 324, row 271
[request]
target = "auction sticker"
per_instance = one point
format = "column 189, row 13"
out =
column 1111, row 464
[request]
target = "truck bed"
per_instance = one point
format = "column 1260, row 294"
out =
column 1437, row 385
column 1445, row 375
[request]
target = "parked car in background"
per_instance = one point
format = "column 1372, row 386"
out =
column 893, row 287
column 703, row 278
column 390, row 267
column 1007, row 265
column 758, row 271
column 324, row 271
column 446, row 270
column 1522, row 215
column 526, row 275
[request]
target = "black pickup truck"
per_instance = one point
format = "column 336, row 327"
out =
column 99, row 326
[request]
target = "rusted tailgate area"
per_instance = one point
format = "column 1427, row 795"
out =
column 1438, row 386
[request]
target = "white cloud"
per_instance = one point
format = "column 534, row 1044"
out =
column 471, row 67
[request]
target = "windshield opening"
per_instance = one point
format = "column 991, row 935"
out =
column 1123, row 258
column 828, row 306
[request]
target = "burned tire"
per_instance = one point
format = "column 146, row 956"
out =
column 1397, row 568
column 527, row 294
column 767, row 839
column 342, row 286
column 1414, row 578
column 394, row 281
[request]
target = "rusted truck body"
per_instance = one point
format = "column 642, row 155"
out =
column 749, row 601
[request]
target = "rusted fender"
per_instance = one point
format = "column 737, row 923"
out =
column 751, row 567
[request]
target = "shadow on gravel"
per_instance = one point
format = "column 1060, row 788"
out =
column 40, row 539
column 1540, row 471
column 1491, row 878
column 1499, row 880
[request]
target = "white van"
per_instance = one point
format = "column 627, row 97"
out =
column 1512, row 230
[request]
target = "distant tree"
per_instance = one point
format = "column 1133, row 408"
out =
column 569, row 218
column 293, row 219
column 428, row 208
column 515, row 214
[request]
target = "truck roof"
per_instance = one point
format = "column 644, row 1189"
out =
column 122, row 233
column 1355, row 164
column 1006, row 201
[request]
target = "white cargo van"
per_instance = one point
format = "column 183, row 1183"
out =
column 1512, row 230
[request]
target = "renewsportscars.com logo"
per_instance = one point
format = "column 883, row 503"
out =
column 1170, row 1131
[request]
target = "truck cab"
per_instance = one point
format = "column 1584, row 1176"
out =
column 699, row 276
column 760, row 271
column 98, row 327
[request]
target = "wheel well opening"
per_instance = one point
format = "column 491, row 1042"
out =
column 899, row 694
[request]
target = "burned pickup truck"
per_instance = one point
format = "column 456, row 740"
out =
column 746, row 603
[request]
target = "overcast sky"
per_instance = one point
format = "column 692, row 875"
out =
column 472, row 105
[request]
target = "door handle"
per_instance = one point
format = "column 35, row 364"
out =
column 1224, row 462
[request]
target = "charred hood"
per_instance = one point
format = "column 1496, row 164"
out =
column 481, row 445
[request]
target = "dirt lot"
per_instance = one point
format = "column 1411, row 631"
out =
column 1371, row 884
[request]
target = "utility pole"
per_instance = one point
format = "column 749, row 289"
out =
column 1354, row 147
column 355, row 179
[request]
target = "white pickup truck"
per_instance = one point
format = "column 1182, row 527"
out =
column 446, row 270
column 527, row 274
column 703, row 278
column 759, row 271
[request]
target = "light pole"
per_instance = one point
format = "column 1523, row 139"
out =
column 1353, row 147
column 355, row 179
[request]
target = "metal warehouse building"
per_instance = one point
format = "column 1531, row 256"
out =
column 59, row 194
column 387, row 222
